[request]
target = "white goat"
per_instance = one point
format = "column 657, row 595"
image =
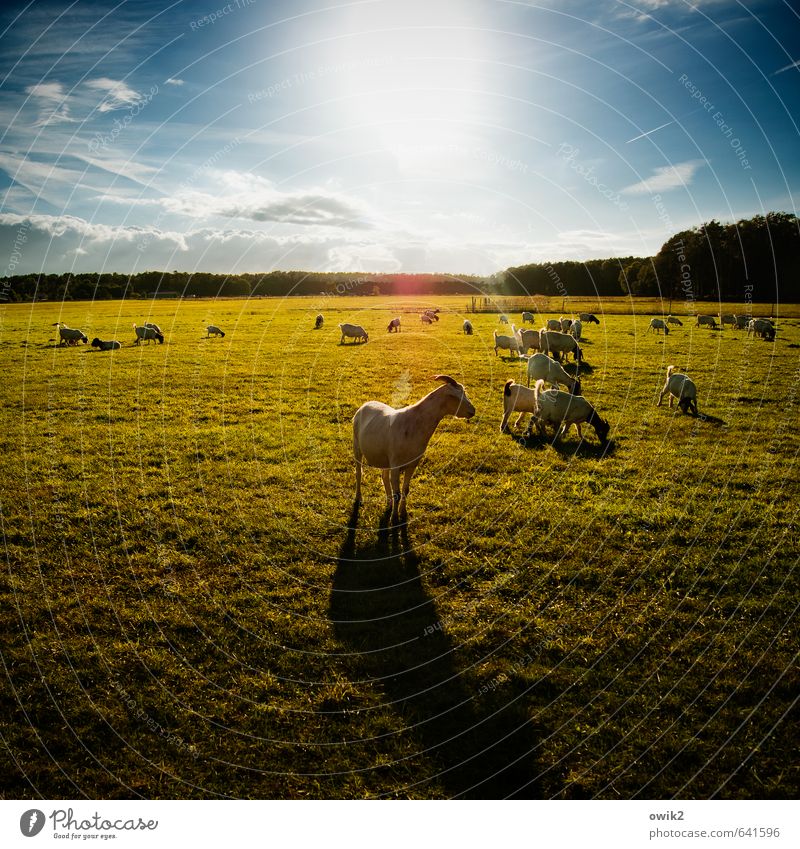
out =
column 147, row 333
column 588, row 318
column 529, row 339
column 657, row 324
column 542, row 367
column 705, row 321
column 213, row 330
column 562, row 410
column 394, row 325
column 576, row 330
column 111, row 345
column 670, row 319
column 566, row 323
column 553, row 324
column 681, row 387
column 69, row 335
column 506, row 343
column 556, row 343
column 353, row 331
column 467, row 327
column 394, row 441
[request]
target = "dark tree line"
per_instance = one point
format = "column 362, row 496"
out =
column 755, row 259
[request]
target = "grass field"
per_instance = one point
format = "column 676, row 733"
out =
column 191, row 608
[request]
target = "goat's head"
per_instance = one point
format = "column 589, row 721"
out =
column 464, row 407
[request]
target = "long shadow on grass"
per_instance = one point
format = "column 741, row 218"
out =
column 381, row 611
column 568, row 447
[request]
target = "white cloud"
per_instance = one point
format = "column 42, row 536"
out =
column 666, row 178
column 172, row 81
column 118, row 93
column 52, row 102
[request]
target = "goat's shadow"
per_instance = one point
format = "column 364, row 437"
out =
column 567, row 447
column 481, row 743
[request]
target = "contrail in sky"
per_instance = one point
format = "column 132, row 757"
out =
column 649, row 132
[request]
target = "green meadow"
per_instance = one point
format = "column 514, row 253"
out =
column 192, row 608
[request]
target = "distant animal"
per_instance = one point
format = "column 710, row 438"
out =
column 503, row 319
column 561, row 410
column 727, row 318
column 318, row 322
column 69, row 335
column 553, row 324
column 588, row 318
column 506, row 343
column 153, row 327
column 762, row 327
column 112, row 345
column 566, row 323
column 213, row 330
column 742, row 321
column 576, row 330
column 394, row 325
column 657, row 324
column 147, row 333
column 528, row 316
column 432, row 314
column 706, row 321
column 670, row 319
column 394, row 441
column 467, row 326
column 353, row 331
column 425, row 318
column 528, row 339
column 679, row 386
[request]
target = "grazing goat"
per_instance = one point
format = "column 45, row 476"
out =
column 70, row 336
column 566, row 323
column 542, row 367
column 153, row 327
column 528, row 316
column 562, row 410
column 762, row 327
column 727, row 318
column 394, row 325
column 467, row 327
column 657, row 324
column 432, row 314
column 742, row 321
column 588, row 318
column 148, row 333
column 553, row 324
column 213, row 330
column 506, row 343
column 529, row 339
column 394, row 441
column 353, row 331
column 111, row 345
column 556, row 343
column 576, row 330
column 503, row 319
column 706, row 321
column 670, row 319
column 318, row 321
column 425, row 318
column 681, row 387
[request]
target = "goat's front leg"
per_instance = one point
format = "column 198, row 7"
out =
column 387, row 485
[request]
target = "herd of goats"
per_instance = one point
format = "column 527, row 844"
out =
column 394, row 441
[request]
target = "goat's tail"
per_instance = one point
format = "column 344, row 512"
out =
column 670, row 369
column 509, row 383
column 538, row 387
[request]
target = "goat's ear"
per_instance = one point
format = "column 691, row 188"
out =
column 445, row 378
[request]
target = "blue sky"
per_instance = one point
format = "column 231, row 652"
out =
column 387, row 135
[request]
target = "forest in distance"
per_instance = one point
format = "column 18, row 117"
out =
column 755, row 259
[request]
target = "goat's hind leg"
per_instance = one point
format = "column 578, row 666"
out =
column 387, row 485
